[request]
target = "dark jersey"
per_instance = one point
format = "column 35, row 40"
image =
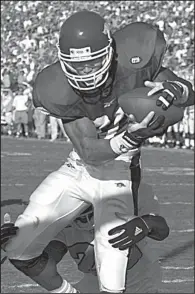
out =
column 140, row 48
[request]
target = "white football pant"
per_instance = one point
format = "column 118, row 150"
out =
column 59, row 199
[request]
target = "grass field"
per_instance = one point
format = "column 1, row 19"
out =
column 25, row 163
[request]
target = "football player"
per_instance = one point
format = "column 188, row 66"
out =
column 82, row 89
column 143, row 270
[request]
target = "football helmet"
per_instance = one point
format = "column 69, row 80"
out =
column 85, row 221
column 85, row 39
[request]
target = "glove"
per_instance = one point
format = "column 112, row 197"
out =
column 137, row 137
column 171, row 92
column 137, row 133
column 134, row 231
column 8, row 230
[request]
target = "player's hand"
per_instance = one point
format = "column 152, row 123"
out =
column 8, row 230
column 134, row 231
column 137, row 133
column 171, row 93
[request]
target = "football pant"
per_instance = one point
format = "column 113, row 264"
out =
column 143, row 277
column 58, row 200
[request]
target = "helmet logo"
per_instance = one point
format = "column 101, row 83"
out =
column 80, row 53
column 135, row 59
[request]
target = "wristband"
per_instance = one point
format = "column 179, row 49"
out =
column 119, row 145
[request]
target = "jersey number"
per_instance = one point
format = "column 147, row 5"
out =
column 83, row 253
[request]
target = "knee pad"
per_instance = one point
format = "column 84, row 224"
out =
column 32, row 267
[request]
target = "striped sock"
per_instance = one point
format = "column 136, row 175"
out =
column 65, row 288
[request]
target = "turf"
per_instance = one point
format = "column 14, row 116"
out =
column 26, row 162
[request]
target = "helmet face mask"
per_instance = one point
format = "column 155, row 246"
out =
column 85, row 221
column 93, row 46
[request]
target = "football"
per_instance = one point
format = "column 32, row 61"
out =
column 137, row 102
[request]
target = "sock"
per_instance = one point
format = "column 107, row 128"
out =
column 65, row 288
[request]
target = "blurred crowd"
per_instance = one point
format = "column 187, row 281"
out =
column 29, row 33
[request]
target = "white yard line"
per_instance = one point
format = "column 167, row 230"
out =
column 173, row 184
column 15, row 153
column 10, row 185
column 178, row 267
column 183, row 231
column 179, row 202
column 24, row 286
column 177, row 281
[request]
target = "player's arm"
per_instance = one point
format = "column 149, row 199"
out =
column 174, row 89
column 83, row 135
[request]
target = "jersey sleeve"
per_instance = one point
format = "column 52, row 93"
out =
column 43, row 100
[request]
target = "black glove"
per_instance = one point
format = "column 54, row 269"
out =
column 171, row 94
column 7, row 230
column 137, row 137
column 134, row 231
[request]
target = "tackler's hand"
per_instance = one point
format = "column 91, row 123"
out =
column 8, row 230
column 133, row 231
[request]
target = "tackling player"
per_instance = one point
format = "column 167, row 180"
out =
column 143, row 270
column 82, row 89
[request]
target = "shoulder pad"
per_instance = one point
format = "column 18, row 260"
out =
column 51, row 84
column 53, row 93
column 137, row 42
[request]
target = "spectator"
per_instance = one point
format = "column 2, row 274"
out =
column 20, row 108
column 40, row 123
column 6, row 79
column 188, row 125
column 53, row 128
column 6, row 109
column 21, row 77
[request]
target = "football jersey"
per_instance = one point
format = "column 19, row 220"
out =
column 135, row 64
column 140, row 48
